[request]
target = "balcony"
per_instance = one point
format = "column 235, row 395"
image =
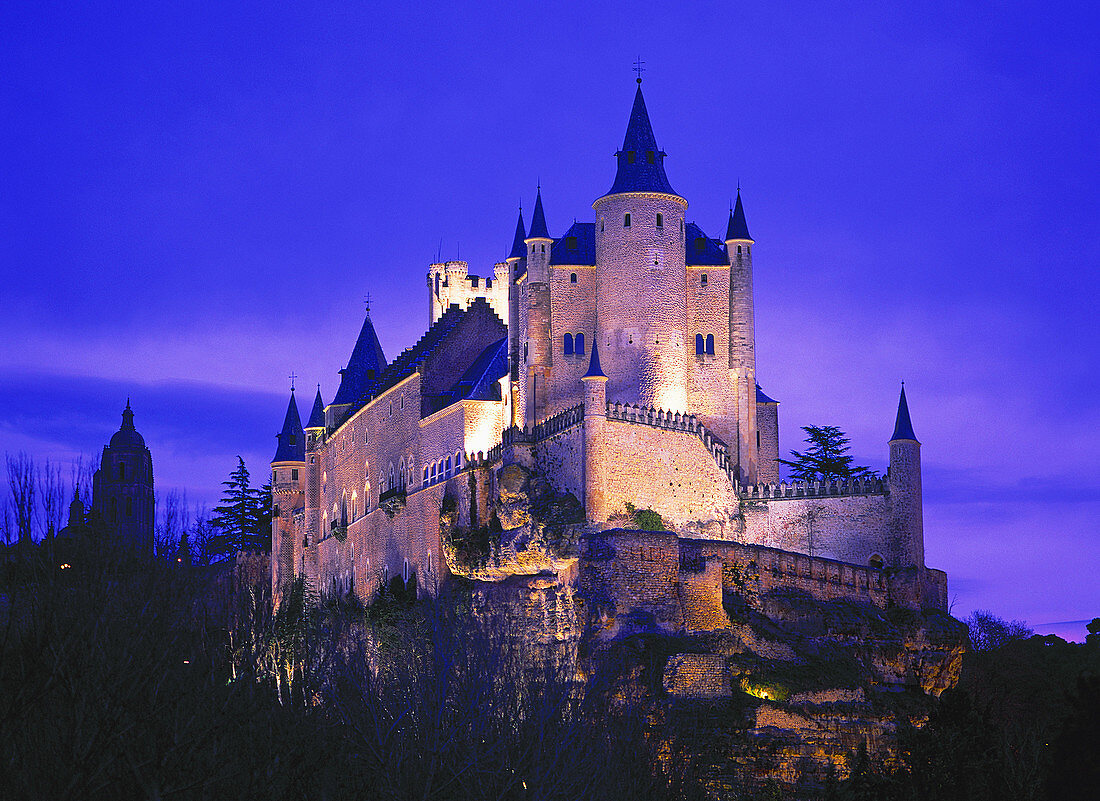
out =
column 392, row 501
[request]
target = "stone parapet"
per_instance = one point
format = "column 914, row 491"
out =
column 812, row 489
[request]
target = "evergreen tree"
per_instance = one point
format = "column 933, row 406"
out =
column 242, row 521
column 826, row 458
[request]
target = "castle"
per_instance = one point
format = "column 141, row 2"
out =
column 617, row 363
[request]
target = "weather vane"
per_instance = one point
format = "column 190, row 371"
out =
column 639, row 68
column 366, row 301
column 292, row 377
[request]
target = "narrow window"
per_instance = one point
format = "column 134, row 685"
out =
column 429, row 562
column 434, row 474
column 405, row 571
column 568, row 344
column 114, row 508
column 660, row 220
column 703, row 279
column 699, row 345
column 294, row 474
column 758, row 439
column 447, row 471
column 626, row 220
column 601, row 223
column 630, row 157
column 293, row 440
column 738, row 250
column 580, row 344
column 393, row 479
column 525, row 353
column 572, row 278
column 543, row 248
column 425, row 476
column 649, row 157
column 710, row 344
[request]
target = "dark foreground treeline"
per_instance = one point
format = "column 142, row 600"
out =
column 117, row 682
column 1022, row 724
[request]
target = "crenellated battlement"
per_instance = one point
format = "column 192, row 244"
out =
column 813, row 489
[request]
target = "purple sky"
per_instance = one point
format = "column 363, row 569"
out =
column 196, row 198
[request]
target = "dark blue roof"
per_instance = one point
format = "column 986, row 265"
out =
column 737, row 227
column 701, row 249
column 578, row 246
column 480, row 381
column 903, row 426
column 762, row 398
column 640, row 164
column 292, row 439
column 518, row 250
column 594, row 368
column 538, row 220
column 317, row 416
column 365, row 365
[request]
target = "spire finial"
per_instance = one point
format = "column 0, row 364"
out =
column 366, row 302
column 293, row 375
column 639, row 68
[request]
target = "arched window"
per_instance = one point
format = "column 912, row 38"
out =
column 543, row 248
column 579, row 349
column 393, row 479
column 572, row 278
column 710, row 344
column 425, row 476
column 447, row 470
column 567, row 343
column 699, row 345
column 405, row 571
column 458, row 461
column 429, row 562
column 434, row 474
column 738, row 250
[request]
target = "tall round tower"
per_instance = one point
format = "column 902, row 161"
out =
column 742, row 340
column 288, row 479
column 641, row 276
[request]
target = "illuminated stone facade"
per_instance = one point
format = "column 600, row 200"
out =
column 618, row 363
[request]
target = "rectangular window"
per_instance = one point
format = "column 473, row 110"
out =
column 660, row 220
column 649, row 157
column 630, row 157
column 294, row 474
column 571, row 242
column 626, row 220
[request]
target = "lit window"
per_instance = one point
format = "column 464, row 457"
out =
column 405, row 571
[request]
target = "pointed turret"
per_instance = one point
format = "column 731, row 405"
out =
column 538, row 220
column 518, row 251
column 366, row 364
column 292, row 439
column 737, row 228
column 640, row 163
column 903, row 426
column 594, row 369
column 317, row 415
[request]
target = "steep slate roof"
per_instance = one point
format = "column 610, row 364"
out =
column 317, row 416
column 479, row 382
column 737, row 228
column 366, row 363
column 292, row 439
column 701, row 249
column 635, row 172
column 518, row 250
column 762, row 398
column 594, row 369
column 582, row 238
column 903, row 426
column 538, row 220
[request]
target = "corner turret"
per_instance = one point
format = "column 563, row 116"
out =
column 288, row 468
column 742, row 342
column 595, row 416
column 906, row 496
column 536, row 349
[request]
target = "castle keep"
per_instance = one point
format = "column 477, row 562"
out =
column 615, row 364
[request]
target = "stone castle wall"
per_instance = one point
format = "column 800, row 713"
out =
column 573, row 311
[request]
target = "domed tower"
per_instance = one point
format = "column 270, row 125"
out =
column 641, row 275
column 288, row 468
column 122, row 487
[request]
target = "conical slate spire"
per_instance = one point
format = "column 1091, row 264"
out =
column 640, row 166
column 737, row 227
column 538, row 220
column 903, row 427
column 365, row 365
column 594, row 369
column 317, row 416
column 518, row 250
column 292, row 440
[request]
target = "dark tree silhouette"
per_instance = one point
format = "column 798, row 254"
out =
column 826, row 458
column 242, row 520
